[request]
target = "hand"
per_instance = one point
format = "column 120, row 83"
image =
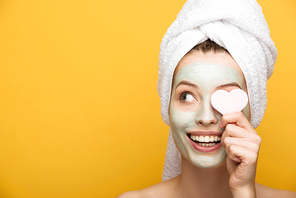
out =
column 242, row 145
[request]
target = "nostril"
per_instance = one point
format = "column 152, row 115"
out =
column 206, row 116
column 207, row 121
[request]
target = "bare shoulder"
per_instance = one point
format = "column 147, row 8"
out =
column 266, row 192
column 163, row 190
column 130, row 194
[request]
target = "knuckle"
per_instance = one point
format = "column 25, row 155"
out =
column 226, row 140
column 232, row 149
column 251, row 158
column 229, row 127
column 255, row 148
column 257, row 139
column 240, row 114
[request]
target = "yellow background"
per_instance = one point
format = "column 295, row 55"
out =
column 79, row 110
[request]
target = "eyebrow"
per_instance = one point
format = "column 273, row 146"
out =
column 183, row 82
column 219, row 87
column 228, row 85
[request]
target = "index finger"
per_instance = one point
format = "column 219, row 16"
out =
column 236, row 118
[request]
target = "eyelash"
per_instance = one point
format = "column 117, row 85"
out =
column 181, row 93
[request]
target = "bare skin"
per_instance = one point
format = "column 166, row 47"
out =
column 168, row 189
column 233, row 178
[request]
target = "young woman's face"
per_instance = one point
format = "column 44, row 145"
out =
column 194, row 122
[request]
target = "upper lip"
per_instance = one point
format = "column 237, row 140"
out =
column 205, row 133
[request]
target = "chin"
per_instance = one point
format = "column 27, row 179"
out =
column 202, row 161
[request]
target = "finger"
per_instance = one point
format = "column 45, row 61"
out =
column 233, row 157
column 231, row 164
column 236, row 118
column 228, row 143
column 234, row 131
column 243, row 154
column 251, row 146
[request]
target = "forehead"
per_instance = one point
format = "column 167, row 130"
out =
column 219, row 58
column 209, row 67
column 209, row 75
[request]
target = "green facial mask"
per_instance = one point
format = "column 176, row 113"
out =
column 199, row 116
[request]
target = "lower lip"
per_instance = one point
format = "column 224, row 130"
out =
column 203, row 148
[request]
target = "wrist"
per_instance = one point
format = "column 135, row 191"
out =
column 245, row 192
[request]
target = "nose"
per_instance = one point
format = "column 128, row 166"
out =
column 207, row 115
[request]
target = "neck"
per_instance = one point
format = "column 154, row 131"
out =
column 204, row 182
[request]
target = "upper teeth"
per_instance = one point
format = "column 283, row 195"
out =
column 205, row 138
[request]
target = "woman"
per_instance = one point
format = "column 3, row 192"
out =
column 205, row 173
column 213, row 45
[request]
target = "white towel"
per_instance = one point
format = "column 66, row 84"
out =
column 237, row 25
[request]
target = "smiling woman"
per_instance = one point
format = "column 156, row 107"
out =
column 213, row 45
column 79, row 110
column 219, row 153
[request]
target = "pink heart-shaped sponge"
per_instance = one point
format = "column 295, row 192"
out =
column 227, row 102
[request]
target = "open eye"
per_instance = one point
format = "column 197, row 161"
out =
column 186, row 97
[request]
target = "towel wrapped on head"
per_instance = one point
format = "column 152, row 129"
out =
column 239, row 27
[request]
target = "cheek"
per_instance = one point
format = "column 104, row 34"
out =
column 181, row 120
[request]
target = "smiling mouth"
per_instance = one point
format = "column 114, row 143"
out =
column 206, row 141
